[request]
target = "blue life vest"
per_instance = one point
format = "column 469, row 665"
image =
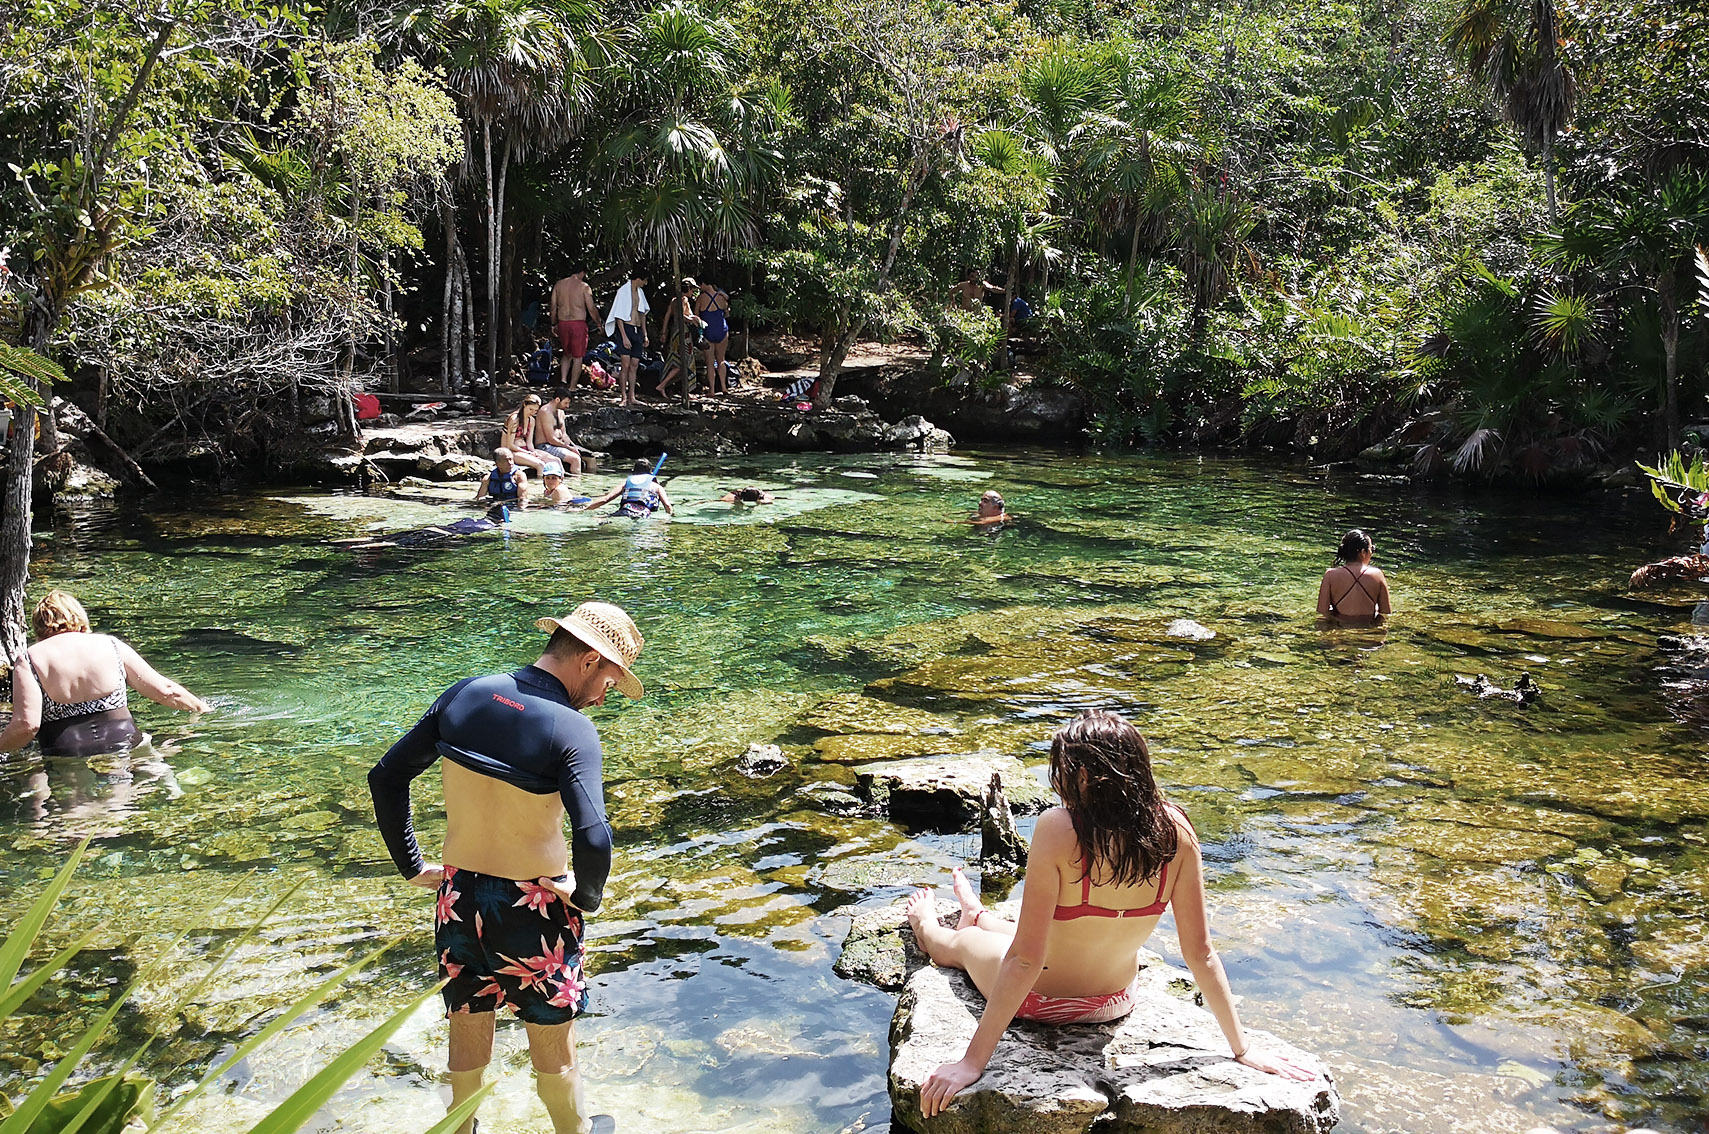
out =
column 502, row 487
column 638, row 492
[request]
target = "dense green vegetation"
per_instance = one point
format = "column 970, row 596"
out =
column 1238, row 220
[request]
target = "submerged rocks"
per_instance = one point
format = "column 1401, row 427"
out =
column 761, row 760
column 1163, row 1068
column 947, row 795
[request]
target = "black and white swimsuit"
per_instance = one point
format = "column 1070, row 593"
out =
column 88, row 728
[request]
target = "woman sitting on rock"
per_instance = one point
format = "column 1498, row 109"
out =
column 519, row 430
column 1102, row 869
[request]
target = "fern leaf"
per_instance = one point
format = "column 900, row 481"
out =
column 19, row 366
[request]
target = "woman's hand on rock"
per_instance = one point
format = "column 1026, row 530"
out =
column 945, row 1083
column 1275, row 1065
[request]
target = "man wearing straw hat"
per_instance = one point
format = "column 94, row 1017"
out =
column 519, row 756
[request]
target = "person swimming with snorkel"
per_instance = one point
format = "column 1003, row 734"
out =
column 640, row 492
column 747, row 495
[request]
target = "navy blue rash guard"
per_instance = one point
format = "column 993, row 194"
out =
column 517, row 727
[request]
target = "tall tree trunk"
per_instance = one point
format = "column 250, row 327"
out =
column 492, row 258
column 346, row 388
column 684, row 361
column 1670, row 353
column 16, row 505
column 831, row 363
column 448, row 219
column 1132, row 262
column 1549, row 173
column 454, row 335
column 466, row 288
column 506, row 310
column 393, row 375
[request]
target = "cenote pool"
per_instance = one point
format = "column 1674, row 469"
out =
column 1485, row 918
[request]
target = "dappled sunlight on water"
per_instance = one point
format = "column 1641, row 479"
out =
column 1485, row 917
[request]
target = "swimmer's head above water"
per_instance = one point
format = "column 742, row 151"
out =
column 1355, row 547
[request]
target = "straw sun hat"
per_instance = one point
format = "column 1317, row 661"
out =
column 608, row 631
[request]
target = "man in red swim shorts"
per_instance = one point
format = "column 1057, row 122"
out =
column 572, row 307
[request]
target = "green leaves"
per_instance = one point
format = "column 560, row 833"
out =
column 19, row 367
column 1564, row 321
column 107, row 1105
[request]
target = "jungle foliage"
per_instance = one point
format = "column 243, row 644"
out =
column 1236, row 221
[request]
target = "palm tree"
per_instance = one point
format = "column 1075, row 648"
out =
column 523, row 72
column 691, row 156
column 1514, row 46
column 1646, row 238
column 1136, row 149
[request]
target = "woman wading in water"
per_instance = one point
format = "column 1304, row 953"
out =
column 1102, row 869
column 1353, row 589
column 70, row 692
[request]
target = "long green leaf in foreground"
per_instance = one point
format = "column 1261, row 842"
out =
column 290, row 1115
column 17, row 944
column 462, row 1111
column 14, row 997
column 285, row 1019
column 21, row 1119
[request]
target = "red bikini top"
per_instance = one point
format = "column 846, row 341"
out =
column 1087, row 909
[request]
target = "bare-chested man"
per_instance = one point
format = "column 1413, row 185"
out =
column 572, row 307
column 971, row 291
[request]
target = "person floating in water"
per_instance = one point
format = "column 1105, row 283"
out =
column 990, row 512
column 748, row 495
column 638, row 496
column 1353, row 588
column 69, row 690
column 1073, row 956
column 505, row 484
column 508, row 927
column 553, row 490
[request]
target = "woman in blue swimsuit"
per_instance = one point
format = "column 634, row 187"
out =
column 713, row 307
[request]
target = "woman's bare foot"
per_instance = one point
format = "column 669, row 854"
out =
column 932, row 934
column 971, row 907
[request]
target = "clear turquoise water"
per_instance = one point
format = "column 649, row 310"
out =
column 1485, row 918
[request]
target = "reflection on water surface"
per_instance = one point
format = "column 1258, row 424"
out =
column 1485, row 917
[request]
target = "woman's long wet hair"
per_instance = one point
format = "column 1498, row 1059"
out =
column 1101, row 768
column 1354, row 544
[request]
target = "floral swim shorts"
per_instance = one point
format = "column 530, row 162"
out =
column 508, row 943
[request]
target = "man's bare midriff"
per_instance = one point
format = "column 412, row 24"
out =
column 494, row 828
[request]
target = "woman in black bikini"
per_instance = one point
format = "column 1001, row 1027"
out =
column 1353, row 588
column 69, row 690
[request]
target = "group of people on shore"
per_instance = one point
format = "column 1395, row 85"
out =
column 702, row 316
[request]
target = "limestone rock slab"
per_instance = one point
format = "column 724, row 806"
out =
column 947, row 794
column 1164, row 1069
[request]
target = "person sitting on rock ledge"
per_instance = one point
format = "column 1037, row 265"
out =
column 1073, row 956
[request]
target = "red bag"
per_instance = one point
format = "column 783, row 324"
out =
column 367, row 406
